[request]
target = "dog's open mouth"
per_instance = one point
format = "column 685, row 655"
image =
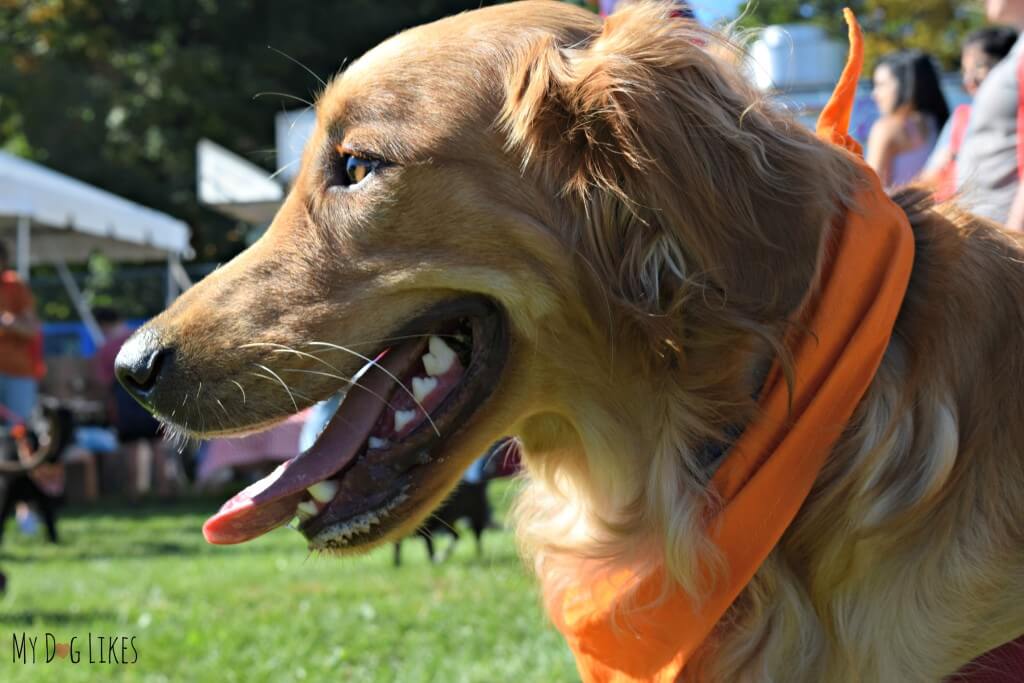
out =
column 364, row 474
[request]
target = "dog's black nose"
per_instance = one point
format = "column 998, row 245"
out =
column 141, row 362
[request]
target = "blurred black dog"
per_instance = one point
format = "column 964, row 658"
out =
column 25, row 452
column 24, row 449
column 469, row 502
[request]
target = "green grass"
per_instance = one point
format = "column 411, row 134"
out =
column 266, row 610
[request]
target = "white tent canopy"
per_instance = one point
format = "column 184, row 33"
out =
column 235, row 186
column 54, row 219
column 69, row 219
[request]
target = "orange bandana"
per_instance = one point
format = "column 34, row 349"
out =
column 769, row 472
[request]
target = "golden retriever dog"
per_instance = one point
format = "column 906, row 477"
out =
column 594, row 236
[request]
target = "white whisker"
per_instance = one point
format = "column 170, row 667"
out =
column 295, row 61
column 304, row 397
column 387, row 372
column 278, row 378
column 283, row 168
column 240, row 389
column 284, row 94
column 281, row 348
column 383, row 340
column 351, row 383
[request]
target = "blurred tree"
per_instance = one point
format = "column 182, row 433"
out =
column 934, row 26
column 827, row 13
column 118, row 93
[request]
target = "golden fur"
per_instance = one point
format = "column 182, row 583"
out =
column 651, row 226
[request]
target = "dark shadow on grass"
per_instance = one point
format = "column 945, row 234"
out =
column 503, row 560
column 145, row 509
column 60, row 618
column 494, row 559
column 127, row 551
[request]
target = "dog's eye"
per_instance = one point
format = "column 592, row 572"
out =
column 350, row 169
column 356, row 168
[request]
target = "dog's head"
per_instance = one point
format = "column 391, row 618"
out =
column 515, row 220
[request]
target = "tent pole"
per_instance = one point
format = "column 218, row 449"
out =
column 23, row 250
column 172, row 285
column 178, row 272
column 78, row 300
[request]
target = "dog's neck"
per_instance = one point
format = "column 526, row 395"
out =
column 628, row 441
column 713, row 451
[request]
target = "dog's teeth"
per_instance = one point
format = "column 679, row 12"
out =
column 361, row 524
column 422, row 386
column 402, row 418
column 323, row 492
column 307, row 509
column 439, row 347
column 294, row 524
column 433, row 365
column 374, row 442
column 440, row 358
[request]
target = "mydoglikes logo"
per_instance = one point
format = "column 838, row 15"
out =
column 94, row 648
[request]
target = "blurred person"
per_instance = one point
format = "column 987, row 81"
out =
column 988, row 164
column 981, row 51
column 20, row 352
column 913, row 108
column 131, row 420
column 138, row 432
column 115, row 331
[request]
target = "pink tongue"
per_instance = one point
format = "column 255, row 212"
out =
column 271, row 502
column 242, row 518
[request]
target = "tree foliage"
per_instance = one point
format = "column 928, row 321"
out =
column 118, row 93
column 827, row 13
column 934, row 26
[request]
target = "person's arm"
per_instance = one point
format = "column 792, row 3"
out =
column 882, row 148
column 1015, row 221
column 24, row 324
column 942, row 154
column 20, row 320
column 932, row 173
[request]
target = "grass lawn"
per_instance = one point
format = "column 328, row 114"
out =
column 266, row 610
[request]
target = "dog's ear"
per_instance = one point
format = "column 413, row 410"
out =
column 685, row 175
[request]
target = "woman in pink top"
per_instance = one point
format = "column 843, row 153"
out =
column 907, row 92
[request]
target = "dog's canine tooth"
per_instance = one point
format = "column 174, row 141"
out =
column 374, row 442
column 323, row 492
column 307, row 509
column 439, row 347
column 402, row 418
column 440, row 358
column 422, row 386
